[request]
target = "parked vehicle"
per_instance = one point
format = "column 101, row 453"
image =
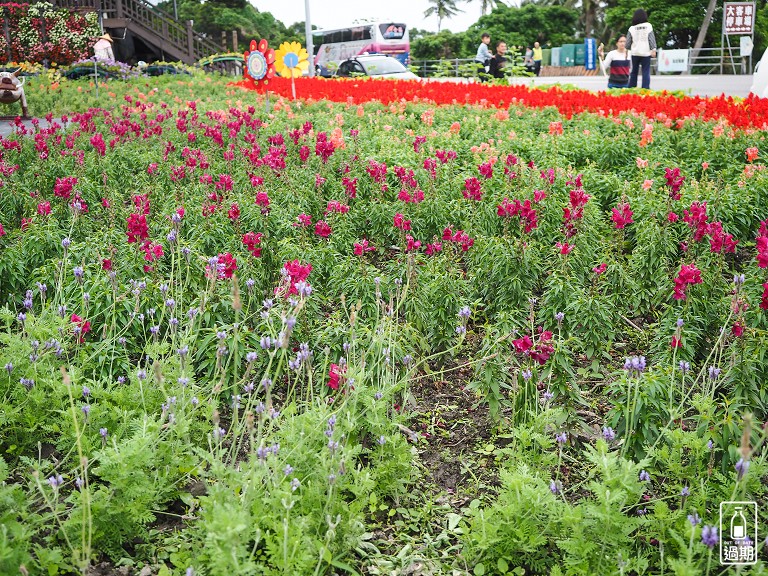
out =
column 375, row 66
column 332, row 47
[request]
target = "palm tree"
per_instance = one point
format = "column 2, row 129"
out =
column 442, row 9
column 486, row 5
column 591, row 11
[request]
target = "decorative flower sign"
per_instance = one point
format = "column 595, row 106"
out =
column 291, row 60
column 260, row 62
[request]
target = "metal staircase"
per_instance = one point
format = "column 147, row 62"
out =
column 174, row 40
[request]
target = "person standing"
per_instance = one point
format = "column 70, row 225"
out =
column 499, row 61
column 483, row 56
column 618, row 62
column 528, row 59
column 641, row 42
column 537, row 56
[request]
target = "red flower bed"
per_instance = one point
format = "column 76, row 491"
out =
column 751, row 112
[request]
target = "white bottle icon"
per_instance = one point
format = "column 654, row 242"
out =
column 738, row 524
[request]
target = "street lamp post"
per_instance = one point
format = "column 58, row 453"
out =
column 308, row 33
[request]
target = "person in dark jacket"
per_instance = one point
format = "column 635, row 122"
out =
column 617, row 64
column 499, row 61
column 641, row 42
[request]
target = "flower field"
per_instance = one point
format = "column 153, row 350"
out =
column 377, row 331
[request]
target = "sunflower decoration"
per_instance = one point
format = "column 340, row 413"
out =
column 291, row 60
column 259, row 62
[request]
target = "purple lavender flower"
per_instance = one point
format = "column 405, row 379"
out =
column 78, row 272
column 21, row 318
column 170, row 303
column 635, row 365
column 608, row 433
column 680, row 322
column 251, row 357
column 561, row 438
column 141, row 374
column 9, row 368
column 739, row 279
column 554, row 487
column 685, row 491
column 288, row 470
column 464, row 312
column 103, row 432
column 714, row 372
column 86, row 409
column 559, row 317
column 709, row 536
column 221, row 334
column 710, row 444
column 684, row 366
column 183, row 351
column 154, row 330
column 250, row 283
column 527, row 375
column 290, row 322
column 65, row 242
column 86, row 391
column 79, row 482
column 547, row 395
column 378, row 396
column 121, row 379
column 642, row 511
column 265, row 343
column 295, row 484
column 461, row 330
column 644, row 476
column 742, row 467
column 694, row 519
column 55, row 481
column 194, row 401
column 382, row 440
column 266, row 383
column 183, row 381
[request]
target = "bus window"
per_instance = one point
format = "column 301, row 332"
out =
column 392, row 31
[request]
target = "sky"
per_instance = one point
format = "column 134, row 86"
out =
column 336, row 13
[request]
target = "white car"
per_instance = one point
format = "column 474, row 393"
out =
column 760, row 78
column 375, row 66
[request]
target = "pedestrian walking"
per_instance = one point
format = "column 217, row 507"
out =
column 483, row 57
column 537, row 56
column 617, row 64
column 641, row 43
column 499, row 61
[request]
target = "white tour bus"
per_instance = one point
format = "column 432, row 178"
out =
column 334, row 46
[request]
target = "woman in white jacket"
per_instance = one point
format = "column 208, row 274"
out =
column 642, row 43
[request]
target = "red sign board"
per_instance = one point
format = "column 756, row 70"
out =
column 739, row 18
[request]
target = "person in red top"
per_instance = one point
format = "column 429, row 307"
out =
column 618, row 62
